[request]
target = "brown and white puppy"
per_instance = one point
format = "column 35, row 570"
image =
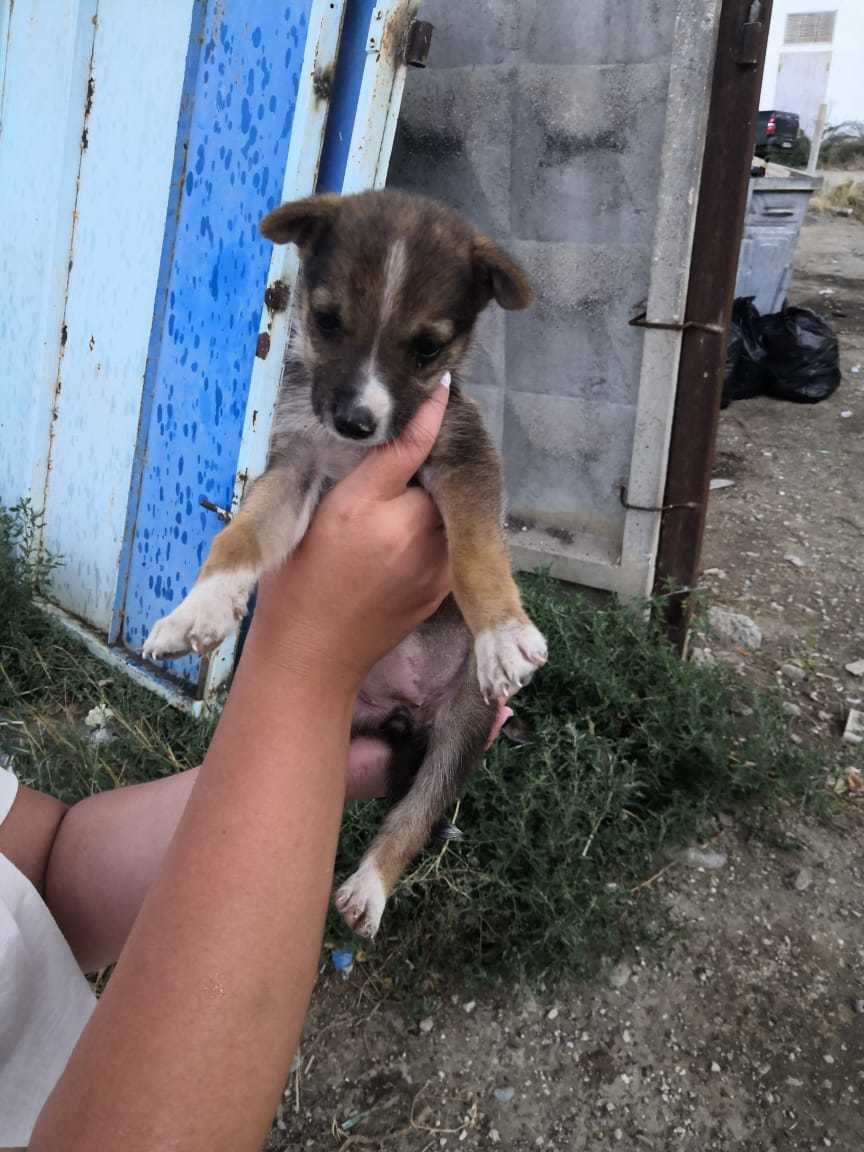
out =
column 389, row 290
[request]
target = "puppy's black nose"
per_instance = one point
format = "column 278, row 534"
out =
column 353, row 420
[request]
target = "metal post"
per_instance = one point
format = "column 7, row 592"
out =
column 730, row 138
column 816, row 142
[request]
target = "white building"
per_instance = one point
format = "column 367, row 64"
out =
column 816, row 55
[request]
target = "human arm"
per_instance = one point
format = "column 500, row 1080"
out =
column 192, row 1040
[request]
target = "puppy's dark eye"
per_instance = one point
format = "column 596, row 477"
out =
column 426, row 349
column 328, row 321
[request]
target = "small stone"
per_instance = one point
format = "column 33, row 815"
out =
column 494, row 1136
column 702, row 656
column 427, row 1025
column 504, row 1095
column 715, row 1067
column 853, row 733
column 552, row 1014
column 802, row 879
column 828, row 1058
column 618, row 1134
column 858, row 1005
column 718, row 484
column 793, row 672
column 790, row 709
column 469, row 1006
column 735, row 628
column 856, row 668
column 705, row 858
column 620, row 974
column 845, row 414
column 795, row 561
column 726, row 819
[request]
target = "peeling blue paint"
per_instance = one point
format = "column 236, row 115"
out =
column 213, row 288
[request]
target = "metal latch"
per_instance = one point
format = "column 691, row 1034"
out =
column 418, row 42
column 750, row 38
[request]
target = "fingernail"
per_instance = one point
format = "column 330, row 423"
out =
column 445, row 380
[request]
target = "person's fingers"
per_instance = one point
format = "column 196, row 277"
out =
column 387, row 470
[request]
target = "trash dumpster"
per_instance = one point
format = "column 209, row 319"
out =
column 776, row 207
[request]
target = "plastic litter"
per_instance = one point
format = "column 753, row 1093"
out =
column 802, row 355
column 342, row 960
column 744, row 376
column 792, row 355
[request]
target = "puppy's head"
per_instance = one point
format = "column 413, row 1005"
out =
column 390, row 288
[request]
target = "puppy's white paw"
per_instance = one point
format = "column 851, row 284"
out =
column 210, row 612
column 361, row 900
column 507, row 658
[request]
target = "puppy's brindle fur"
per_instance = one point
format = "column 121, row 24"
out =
column 389, row 290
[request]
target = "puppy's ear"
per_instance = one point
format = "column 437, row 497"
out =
column 501, row 277
column 300, row 221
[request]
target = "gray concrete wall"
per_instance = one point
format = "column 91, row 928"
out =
column 544, row 122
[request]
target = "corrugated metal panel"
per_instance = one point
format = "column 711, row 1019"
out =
column 127, row 150
column 243, row 108
column 312, row 114
column 47, row 50
column 366, row 89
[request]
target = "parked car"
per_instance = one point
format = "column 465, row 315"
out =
column 776, row 132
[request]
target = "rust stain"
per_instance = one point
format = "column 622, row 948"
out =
column 395, row 34
column 276, row 296
column 322, row 82
column 263, row 346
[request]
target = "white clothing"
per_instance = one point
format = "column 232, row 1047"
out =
column 45, row 1001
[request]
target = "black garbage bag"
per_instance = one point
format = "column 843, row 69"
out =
column 748, row 376
column 803, row 355
column 733, row 355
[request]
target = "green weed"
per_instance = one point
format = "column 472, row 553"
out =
column 631, row 753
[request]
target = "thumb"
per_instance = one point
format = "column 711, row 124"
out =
column 388, row 469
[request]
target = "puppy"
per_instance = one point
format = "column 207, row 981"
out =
column 390, row 287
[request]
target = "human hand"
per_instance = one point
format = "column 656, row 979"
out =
column 372, row 566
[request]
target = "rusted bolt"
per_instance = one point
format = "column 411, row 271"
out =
column 276, row 296
column 418, row 43
column 263, row 346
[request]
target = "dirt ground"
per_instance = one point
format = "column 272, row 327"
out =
column 744, row 1031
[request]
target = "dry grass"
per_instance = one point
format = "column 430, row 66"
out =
column 846, row 198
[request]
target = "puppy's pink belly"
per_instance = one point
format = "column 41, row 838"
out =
column 419, row 675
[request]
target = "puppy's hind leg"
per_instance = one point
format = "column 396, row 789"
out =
column 270, row 524
column 455, row 747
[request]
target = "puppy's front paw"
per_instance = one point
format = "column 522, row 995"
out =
column 210, row 612
column 507, row 658
column 361, row 900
